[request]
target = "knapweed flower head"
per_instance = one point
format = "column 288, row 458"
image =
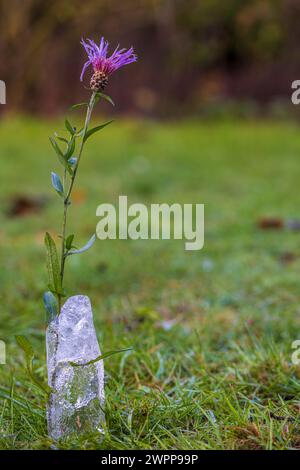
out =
column 103, row 65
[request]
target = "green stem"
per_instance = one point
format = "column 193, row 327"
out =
column 86, row 125
column 64, row 224
column 68, row 196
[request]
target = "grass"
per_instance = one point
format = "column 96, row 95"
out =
column 221, row 377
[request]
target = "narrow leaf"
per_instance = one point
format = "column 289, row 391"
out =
column 60, row 155
column 69, row 127
column 96, row 129
column 69, row 241
column 84, row 248
column 70, row 149
column 99, row 358
column 62, row 139
column 78, row 105
column 56, row 147
column 57, row 184
column 53, row 265
column 105, row 97
column 25, row 346
column 29, row 355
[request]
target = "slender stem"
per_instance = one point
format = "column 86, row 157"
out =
column 86, row 124
column 64, row 223
column 68, row 196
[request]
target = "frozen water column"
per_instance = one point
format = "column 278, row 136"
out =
column 76, row 404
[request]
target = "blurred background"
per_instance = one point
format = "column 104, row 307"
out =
column 195, row 56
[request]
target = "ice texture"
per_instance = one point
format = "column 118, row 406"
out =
column 76, row 404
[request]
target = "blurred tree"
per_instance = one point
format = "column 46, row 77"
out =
column 188, row 49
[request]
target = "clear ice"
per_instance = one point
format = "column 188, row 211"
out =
column 76, row 404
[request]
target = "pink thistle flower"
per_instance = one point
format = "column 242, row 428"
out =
column 104, row 66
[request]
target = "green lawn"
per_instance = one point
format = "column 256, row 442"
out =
column 221, row 377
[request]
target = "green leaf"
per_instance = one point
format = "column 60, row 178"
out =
column 96, row 129
column 69, row 127
column 62, row 139
column 57, row 184
column 29, row 356
column 69, row 241
column 26, row 346
column 70, row 149
column 78, row 105
column 105, row 97
column 53, row 265
column 51, row 306
column 99, row 358
column 84, row 248
column 56, row 147
column 60, row 155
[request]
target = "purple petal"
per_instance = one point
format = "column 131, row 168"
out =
column 86, row 65
column 97, row 56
